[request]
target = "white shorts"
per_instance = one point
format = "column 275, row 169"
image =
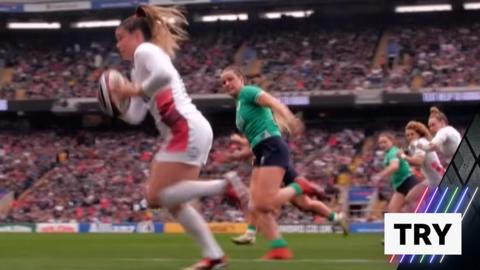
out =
column 188, row 141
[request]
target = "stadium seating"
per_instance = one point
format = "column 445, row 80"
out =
column 300, row 56
column 92, row 186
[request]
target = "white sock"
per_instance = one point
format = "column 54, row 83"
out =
column 195, row 225
column 188, row 190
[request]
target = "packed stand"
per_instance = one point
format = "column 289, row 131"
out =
column 433, row 57
column 202, row 58
column 301, row 55
column 314, row 57
column 23, row 159
column 103, row 178
column 42, row 69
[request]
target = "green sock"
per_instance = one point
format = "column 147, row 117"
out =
column 297, row 188
column 332, row 216
column 278, row 243
column 251, row 227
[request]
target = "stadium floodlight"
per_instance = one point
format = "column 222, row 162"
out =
column 33, row 25
column 423, row 8
column 225, row 17
column 96, row 24
column 293, row 13
column 472, row 5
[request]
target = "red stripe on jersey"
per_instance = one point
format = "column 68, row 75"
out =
column 172, row 118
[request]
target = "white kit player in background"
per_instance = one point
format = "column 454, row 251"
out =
column 428, row 162
column 446, row 138
column 149, row 41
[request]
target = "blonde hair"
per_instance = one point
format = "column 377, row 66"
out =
column 437, row 114
column 162, row 26
column 419, row 128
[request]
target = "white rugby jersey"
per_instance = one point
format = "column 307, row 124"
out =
column 165, row 92
column 447, row 141
column 431, row 167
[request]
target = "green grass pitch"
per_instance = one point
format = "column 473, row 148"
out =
column 165, row 252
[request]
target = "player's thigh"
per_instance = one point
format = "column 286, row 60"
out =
column 396, row 202
column 265, row 184
column 414, row 195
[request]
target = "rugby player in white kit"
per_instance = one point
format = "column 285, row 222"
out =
column 428, row 162
column 446, row 138
column 149, row 40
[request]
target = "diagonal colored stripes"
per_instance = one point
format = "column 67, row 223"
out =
column 421, row 199
column 461, row 200
column 451, row 200
column 416, row 210
column 469, row 203
column 425, row 211
column 441, row 199
column 431, row 200
column 436, row 211
column 466, row 209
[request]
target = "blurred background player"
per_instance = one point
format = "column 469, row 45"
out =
column 446, row 138
column 303, row 202
column 428, row 162
column 254, row 118
column 150, row 42
column 405, row 184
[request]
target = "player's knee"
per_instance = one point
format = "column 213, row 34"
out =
column 392, row 208
column 153, row 201
column 263, row 205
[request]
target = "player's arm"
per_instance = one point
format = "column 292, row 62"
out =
column 295, row 125
column 389, row 170
column 416, row 159
column 158, row 76
column 434, row 145
column 242, row 154
column 440, row 138
column 136, row 112
column 239, row 139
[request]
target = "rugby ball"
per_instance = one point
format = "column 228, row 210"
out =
column 110, row 103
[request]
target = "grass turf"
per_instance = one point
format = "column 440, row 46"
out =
column 163, row 251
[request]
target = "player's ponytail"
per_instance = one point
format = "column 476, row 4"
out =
column 437, row 114
column 162, row 26
column 166, row 25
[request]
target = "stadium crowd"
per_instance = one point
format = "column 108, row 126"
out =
column 104, row 175
column 301, row 56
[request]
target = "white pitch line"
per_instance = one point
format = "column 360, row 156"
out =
column 258, row 260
